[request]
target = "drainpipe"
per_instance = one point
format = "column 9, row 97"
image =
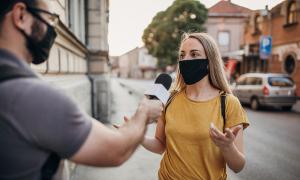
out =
column 89, row 74
column 270, row 34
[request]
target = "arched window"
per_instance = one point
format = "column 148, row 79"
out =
column 257, row 24
column 289, row 64
column 292, row 13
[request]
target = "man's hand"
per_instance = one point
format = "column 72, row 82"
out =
column 151, row 108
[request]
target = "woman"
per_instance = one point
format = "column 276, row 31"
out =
column 190, row 133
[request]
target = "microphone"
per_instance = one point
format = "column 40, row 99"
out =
column 159, row 90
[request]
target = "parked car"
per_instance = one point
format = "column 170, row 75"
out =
column 266, row 89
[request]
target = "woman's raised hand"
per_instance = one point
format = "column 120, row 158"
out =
column 224, row 140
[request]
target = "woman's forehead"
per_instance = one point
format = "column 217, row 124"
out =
column 191, row 43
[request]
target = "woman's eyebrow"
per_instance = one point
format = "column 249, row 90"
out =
column 193, row 50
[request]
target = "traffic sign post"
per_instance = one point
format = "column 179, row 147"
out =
column 265, row 47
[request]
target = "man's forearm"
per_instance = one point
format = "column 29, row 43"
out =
column 132, row 134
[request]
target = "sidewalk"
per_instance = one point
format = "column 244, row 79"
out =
column 143, row 164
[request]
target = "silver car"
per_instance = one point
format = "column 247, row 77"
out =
column 266, row 89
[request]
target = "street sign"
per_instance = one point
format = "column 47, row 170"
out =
column 265, row 47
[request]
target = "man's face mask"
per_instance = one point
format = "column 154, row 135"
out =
column 193, row 70
column 38, row 46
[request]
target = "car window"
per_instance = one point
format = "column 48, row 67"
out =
column 241, row 81
column 258, row 81
column 251, row 81
column 280, row 81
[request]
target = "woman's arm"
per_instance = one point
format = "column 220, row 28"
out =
column 158, row 143
column 231, row 144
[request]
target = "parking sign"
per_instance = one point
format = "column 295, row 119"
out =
column 265, row 47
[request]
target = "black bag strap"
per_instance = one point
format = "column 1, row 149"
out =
column 8, row 73
column 172, row 95
column 223, row 107
column 50, row 167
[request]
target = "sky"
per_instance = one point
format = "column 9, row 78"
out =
column 129, row 18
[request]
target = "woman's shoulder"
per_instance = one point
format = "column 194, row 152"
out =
column 231, row 99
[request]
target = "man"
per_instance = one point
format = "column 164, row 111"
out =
column 37, row 120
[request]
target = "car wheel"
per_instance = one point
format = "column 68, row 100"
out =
column 286, row 108
column 254, row 104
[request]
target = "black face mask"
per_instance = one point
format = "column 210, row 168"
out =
column 193, row 70
column 40, row 49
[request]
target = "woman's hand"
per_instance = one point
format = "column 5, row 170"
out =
column 224, row 140
column 231, row 145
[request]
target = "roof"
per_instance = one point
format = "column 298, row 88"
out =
column 227, row 8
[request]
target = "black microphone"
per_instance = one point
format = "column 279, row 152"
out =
column 165, row 80
column 160, row 88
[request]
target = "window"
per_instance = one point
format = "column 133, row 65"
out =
column 257, row 25
column 77, row 18
column 292, row 13
column 280, row 81
column 253, row 81
column 241, row 81
column 223, row 38
column 289, row 64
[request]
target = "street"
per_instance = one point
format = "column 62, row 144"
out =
column 272, row 143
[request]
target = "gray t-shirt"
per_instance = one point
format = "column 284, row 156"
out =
column 35, row 120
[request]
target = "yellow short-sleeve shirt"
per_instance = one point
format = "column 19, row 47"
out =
column 190, row 153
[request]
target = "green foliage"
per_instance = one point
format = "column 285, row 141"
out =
column 163, row 34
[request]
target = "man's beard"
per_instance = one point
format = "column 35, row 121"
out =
column 35, row 36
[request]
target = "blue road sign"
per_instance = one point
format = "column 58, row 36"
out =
column 265, row 47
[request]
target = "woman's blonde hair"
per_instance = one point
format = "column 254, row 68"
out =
column 217, row 76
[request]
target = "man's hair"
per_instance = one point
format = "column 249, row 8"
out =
column 7, row 5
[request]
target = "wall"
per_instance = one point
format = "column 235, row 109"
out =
column 235, row 27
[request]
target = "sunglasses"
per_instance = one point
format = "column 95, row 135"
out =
column 53, row 19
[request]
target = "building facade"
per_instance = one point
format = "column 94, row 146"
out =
column 281, row 23
column 225, row 23
column 137, row 64
column 78, row 62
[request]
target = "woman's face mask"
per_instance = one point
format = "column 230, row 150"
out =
column 193, row 70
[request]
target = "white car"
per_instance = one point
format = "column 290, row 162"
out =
column 266, row 89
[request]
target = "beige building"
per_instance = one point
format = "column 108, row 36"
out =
column 225, row 23
column 137, row 64
column 78, row 61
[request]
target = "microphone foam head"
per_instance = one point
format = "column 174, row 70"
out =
column 165, row 80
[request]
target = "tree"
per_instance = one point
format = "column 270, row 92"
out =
column 163, row 34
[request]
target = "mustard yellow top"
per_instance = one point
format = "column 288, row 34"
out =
column 190, row 153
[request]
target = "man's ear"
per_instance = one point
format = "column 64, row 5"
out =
column 20, row 17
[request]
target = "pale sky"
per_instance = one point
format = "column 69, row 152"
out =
column 129, row 18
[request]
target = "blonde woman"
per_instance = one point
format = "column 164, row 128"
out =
column 192, row 135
